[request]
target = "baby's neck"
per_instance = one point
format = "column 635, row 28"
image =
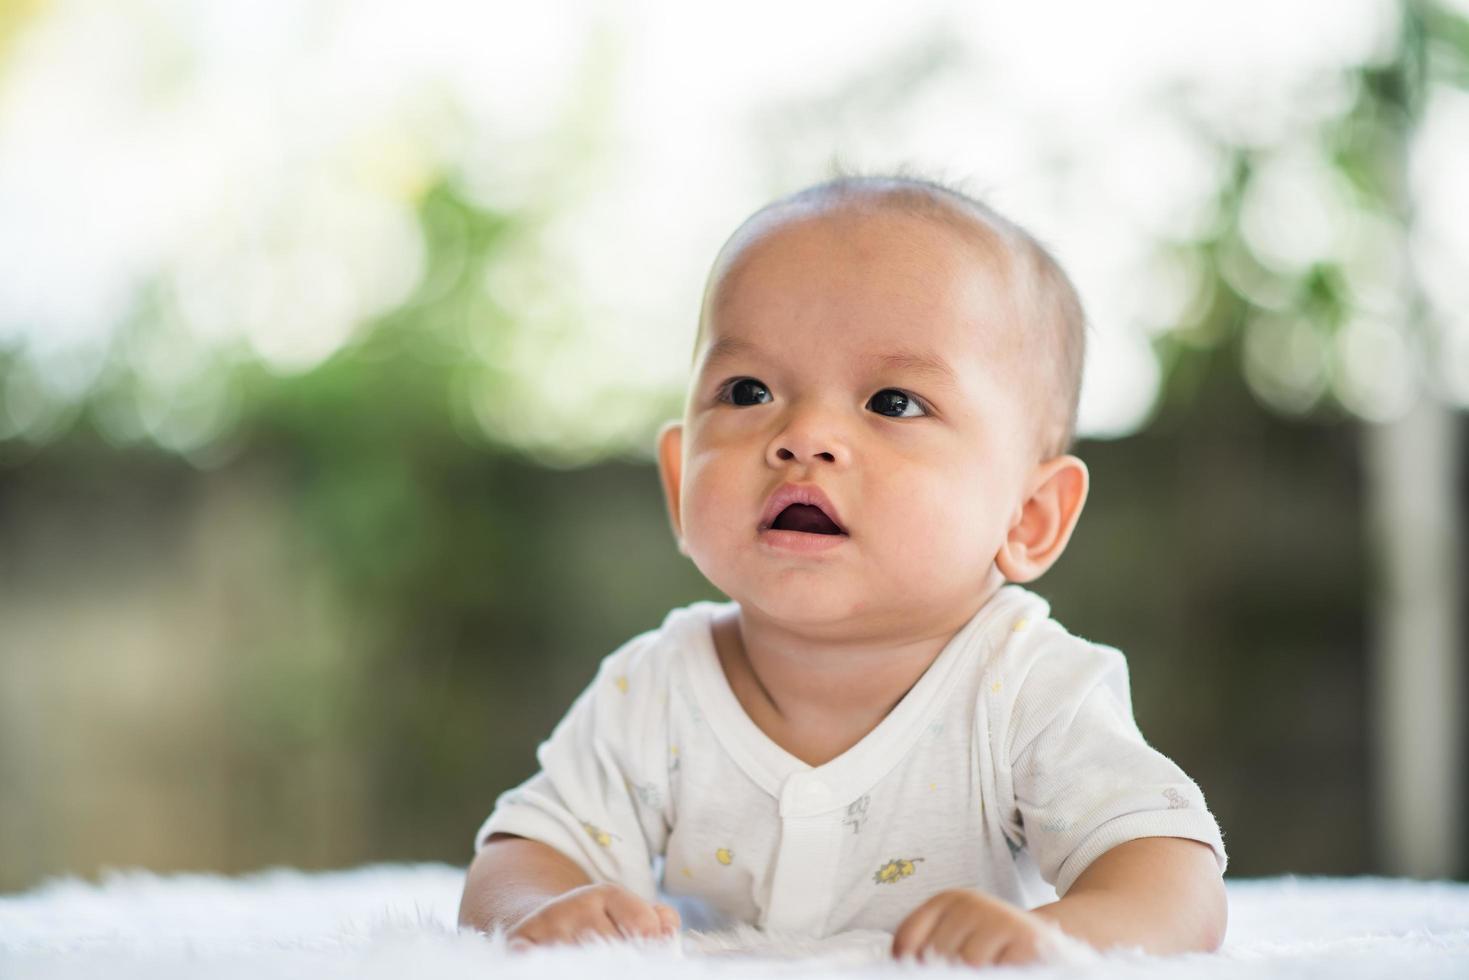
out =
column 817, row 697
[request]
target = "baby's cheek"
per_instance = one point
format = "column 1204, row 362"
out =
column 942, row 535
column 711, row 510
column 712, row 529
column 702, row 496
column 930, row 519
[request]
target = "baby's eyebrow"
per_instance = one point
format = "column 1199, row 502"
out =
column 728, row 347
column 917, row 362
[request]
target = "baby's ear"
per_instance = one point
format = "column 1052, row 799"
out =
column 1046, row 519
column 670, row 471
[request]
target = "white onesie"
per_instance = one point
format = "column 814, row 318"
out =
column 1009, row 767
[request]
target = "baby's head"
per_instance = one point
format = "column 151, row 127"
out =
column 906, row 363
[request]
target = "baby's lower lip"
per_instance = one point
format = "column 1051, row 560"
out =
column 802, row 542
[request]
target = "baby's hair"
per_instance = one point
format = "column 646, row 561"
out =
column 1057, row 332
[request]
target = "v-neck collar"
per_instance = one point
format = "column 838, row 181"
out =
column 854, row 772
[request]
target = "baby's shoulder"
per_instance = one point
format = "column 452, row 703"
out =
column 645, row 662
column 1041, row 677
column 1033, row 653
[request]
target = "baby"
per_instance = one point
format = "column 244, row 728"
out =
column 882, row 729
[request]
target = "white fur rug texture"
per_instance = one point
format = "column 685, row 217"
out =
column 398, row 921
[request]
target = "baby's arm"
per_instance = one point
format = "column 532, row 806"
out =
column 571, row 852
column 535, row 894
column 1164, row 894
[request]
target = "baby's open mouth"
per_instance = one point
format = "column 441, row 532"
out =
column 805, row 518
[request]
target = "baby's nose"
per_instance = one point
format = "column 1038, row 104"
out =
column 812, row 433
column 805, row 442
column 784, row 454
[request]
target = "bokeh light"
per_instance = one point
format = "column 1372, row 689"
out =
column 252, row 184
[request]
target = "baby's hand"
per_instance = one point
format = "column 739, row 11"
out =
column 607, row 911
column 966, row 925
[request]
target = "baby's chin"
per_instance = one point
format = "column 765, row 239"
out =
column 839, row 609
column 812, row 608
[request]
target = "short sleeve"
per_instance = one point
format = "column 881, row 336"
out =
column 1084, row 779
column 599, row 797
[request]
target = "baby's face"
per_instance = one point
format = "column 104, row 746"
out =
column 870, row 359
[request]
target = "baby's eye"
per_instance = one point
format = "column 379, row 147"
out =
column 895, row 404
column 745, row 391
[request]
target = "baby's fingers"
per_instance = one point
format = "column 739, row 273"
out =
column 529, row 939
column 569, row 929
column 1019, row 950
column 979, row 949
column 632, row 916
column 571, row 919
column 912, row 936
column 958, row 935
column 668, row 918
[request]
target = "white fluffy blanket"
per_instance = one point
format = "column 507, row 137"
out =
column 398, row 921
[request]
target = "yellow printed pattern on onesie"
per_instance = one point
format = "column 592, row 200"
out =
column 602, row 837
column 895, row 870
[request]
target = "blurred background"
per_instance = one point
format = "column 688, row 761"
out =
column 334, row 337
